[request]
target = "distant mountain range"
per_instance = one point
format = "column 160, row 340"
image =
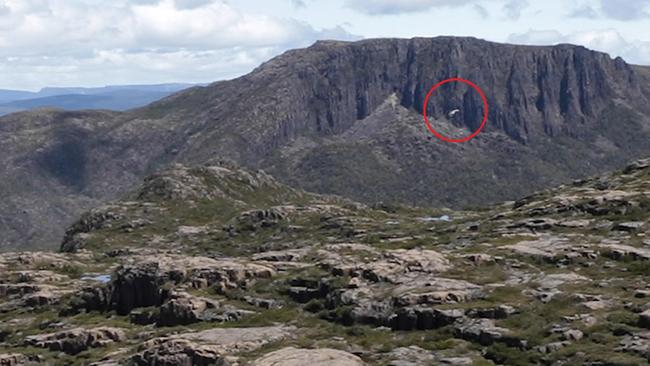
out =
column 114, row 97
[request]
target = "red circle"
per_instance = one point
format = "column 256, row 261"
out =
column 485, row 112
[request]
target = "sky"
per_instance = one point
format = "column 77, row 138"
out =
column 108, row 42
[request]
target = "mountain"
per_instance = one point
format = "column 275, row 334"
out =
column 219, row 265
column 118, row 98
column 10, row 95
column 344, row 118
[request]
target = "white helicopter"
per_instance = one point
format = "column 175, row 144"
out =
column 452, row 113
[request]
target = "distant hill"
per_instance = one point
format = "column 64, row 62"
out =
column 115, row 97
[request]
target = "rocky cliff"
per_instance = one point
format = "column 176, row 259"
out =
column 345, row 118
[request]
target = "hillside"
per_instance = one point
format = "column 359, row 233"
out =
column 217, row 265
column 344, row 118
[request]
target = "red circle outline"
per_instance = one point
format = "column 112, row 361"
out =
column 485, row 113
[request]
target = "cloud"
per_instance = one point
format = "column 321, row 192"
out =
column 513, row 8
column 82, row 42
column 584, row 11
column 624, row 10
column 384, row 7
column 605, row 40
column 482, row 12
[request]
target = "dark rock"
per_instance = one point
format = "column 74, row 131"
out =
column 498, row 312
column 135, row 287
column 263, row 303
column 644, row 319
column 144, row 316
column 422, row 318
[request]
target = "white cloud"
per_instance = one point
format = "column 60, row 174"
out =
column 624, row 10
column 605, row 40
column 94, row 38
column 514, row 8
column 375, row 7
column 482, row 12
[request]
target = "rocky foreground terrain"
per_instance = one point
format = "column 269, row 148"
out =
column 343, row 118
column 215, row 265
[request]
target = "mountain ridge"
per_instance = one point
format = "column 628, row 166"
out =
column 556, row 113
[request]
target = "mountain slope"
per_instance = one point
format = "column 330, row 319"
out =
column 345, row 118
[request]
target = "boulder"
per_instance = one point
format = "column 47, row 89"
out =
column 184, row 309
column 418, row 260
column 620, row 251
column 138, row 286
column 141, row 281
column 77, row 340
column 636, row 343
column 290, row 356
column 497, row 312
column 410, row 356
column 179, row 352
column 553, row 347
column 485, row 332
column 399, row 261
column 422, row 318
column 631, row 226
column 418, row 290
column 13, row 359
column 644, row 319
column 207, row 348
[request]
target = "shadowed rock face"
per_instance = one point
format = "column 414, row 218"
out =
column 344, row 118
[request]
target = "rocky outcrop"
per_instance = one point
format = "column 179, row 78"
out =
column 76, row 340
column 484, row 332
column 77, row 234
column 143, row 284
column 13, row 359
column 182, row 308
column 179, row 352
column 210, row 347
column 644, row 319
column 318, row 357
column 185, row 309
column 423, row 318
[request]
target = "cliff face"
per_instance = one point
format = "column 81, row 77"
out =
column 325, row 89
column 345, row 118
